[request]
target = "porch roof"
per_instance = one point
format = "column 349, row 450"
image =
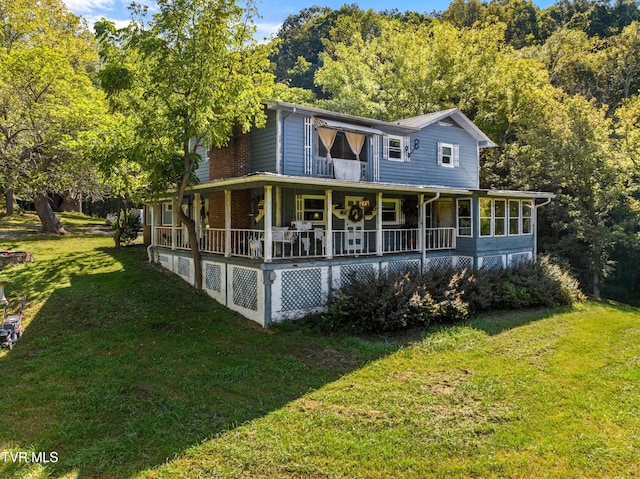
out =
column 262, row 179
column 518, row 194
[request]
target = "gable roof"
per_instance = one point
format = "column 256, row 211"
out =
column 405, row 126
column 457, row 116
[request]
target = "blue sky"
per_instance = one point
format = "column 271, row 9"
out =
column 272, row 12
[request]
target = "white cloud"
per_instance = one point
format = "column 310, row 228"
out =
column 81, row 7
column 266, row 30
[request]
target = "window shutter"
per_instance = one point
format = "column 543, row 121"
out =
column 376, row 157
column 456, row 155
column 385, row 147
column 405, row 148
column 439, row 154
column 308, row 146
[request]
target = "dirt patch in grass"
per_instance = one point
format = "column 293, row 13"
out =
column 327, row 358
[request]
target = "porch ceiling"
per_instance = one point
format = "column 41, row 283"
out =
column 263, row 179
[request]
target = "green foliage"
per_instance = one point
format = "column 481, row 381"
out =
column 371, row 302
column 126, row 232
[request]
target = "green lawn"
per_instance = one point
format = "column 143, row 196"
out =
column 125, row 371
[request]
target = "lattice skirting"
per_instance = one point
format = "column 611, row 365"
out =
column 399, row 267
column 184, row 269
column 244, row 287
column 298, row 291
column 493, row 261
column 517, row 259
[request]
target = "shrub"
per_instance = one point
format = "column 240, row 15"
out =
column 131, row 228
column 371, row 302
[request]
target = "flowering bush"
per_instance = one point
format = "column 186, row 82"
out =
column 371, row 302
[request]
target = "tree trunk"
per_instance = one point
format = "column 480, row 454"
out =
column 596, row 284
column 50, row 223
column 118, row 224
column 195, row 247
column 71, row 202
column 10, row 201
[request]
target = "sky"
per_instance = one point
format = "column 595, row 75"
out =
column 271, row 12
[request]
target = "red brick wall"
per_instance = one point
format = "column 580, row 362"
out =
column 240, row 209
column 232, row 160
column 229, row 162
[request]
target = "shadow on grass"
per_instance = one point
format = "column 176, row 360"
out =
column 120, row 371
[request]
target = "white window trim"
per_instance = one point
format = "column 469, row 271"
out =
column 508, row 217
column 458, row 218
column 300, row 209
column 522, row 217
column 455, row 155
column 404, row 142
column 398, row 211
column 492, row 218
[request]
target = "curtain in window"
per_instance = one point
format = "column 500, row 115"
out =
column 327, row 137
column 356, row 141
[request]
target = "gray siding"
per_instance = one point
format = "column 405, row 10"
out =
column 263, row 146
column 202, row 173
column 423, row 166
column 293, row 145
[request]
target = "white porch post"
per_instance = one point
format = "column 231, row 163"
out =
column 174, row 222
column 279, row 206
column 197, row 203
column 422, row 230
column 154, row 223
column 379, row 237
column 227, row 223
column 268, row 223
column 328, row 214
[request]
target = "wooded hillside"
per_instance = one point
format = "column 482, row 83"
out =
column 555, row 88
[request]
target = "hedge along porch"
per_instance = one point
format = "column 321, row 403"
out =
column 274, row 247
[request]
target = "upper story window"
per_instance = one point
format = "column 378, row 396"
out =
column 449, row 155
column 341, row 144
column 395, row 148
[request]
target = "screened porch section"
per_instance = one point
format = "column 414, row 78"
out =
column 302, row 240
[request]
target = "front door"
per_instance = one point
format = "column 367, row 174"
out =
column 354, row 225
column 444, row 214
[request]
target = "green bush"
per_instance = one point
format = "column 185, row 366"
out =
column 131, row 228
column 371, row 302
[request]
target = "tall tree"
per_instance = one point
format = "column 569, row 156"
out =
column 46, row 98
column 202, row 75
column 570, row 151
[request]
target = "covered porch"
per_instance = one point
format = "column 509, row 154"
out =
column 273, row 218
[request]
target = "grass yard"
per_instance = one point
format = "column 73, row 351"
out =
column 126, row 372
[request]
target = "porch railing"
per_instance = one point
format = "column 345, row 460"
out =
column 289, row 243
column 325, row 170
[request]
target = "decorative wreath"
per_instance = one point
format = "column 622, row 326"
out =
column 356, row 214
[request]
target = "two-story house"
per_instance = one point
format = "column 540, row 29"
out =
column 287, row 212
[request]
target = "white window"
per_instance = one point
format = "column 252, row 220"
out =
column 514, row 217
column 486, row 215
column 493, row 215
column 520, row 217
column 311, row 208
column 527, row 208
column 167, row 213
column 391, row 212
column 448, row 155
column 465, row 225
column 395, row 148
